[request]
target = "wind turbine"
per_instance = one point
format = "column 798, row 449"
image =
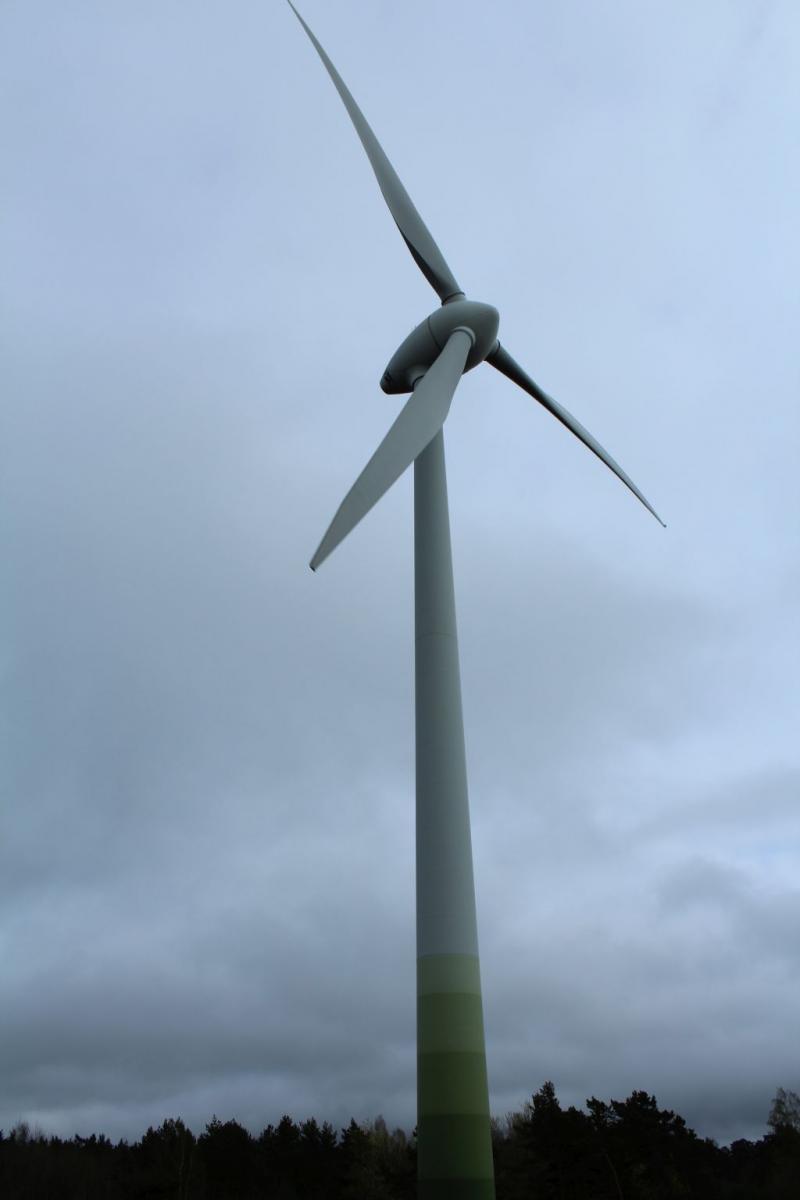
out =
column 454, row 1153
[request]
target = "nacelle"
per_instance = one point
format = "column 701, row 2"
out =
column 425, row 343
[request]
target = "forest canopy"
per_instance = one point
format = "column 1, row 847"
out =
column 613, row 1150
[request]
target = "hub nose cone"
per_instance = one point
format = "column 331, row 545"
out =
column 483, row 320
column 424, row 344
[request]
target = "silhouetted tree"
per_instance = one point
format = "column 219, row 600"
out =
column 783, row 1174
column 166, row 1160
column 376, row 1164
column 785, row 1111
column 317, row 1177
column 226, row 1154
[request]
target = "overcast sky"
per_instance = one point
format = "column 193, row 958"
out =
column 207, row 762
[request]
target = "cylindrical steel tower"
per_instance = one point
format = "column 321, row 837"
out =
column 453, row 1125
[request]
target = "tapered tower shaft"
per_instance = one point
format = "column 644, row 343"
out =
column 453, row 1127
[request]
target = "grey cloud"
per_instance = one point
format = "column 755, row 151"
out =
column 207, row 783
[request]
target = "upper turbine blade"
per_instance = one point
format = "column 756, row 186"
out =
column 503, row 362
column 427, row 254
column 419, row 421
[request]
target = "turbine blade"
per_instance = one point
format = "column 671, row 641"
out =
column 502, row 361
column 416, row 234
column 418, row 423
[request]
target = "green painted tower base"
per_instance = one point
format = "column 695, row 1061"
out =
column 454, row 1148
column 453, row 1132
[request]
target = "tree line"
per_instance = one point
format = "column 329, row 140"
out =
column 614, row 1150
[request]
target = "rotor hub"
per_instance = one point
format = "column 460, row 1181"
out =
column 424, row 344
